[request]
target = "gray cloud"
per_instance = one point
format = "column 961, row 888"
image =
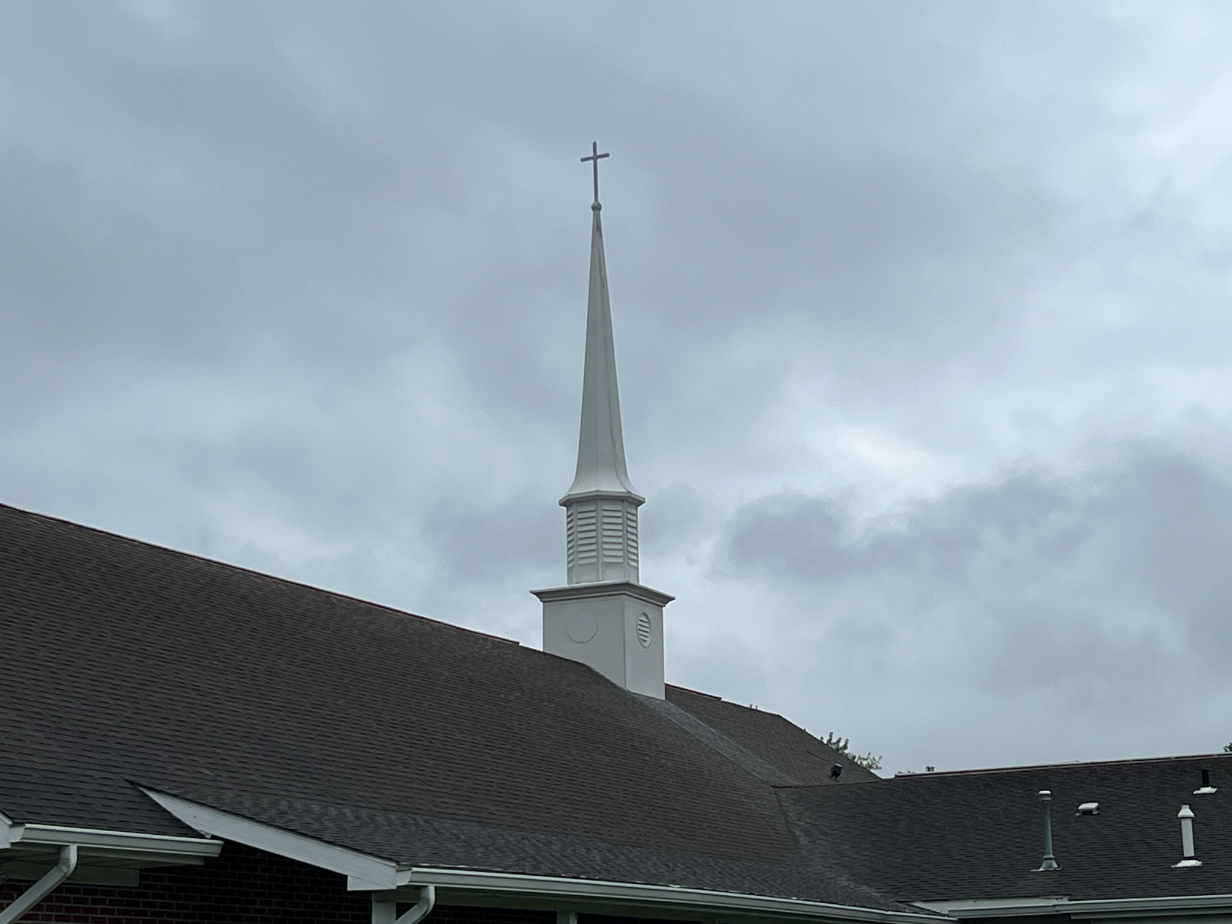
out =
column 301, row 286
column 1101, row 593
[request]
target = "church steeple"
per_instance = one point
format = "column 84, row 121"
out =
column 601, row 505
column 601, row 445
column 604, row 616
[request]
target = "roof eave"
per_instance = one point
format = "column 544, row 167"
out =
column 1083, row 908
column 378, row 874
column 657, row 895
column 28, row 834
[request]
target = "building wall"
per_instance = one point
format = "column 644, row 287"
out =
column 241, row 886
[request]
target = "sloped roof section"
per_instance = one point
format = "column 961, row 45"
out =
column 798, row 758
column 979, row 834
column 127, row 663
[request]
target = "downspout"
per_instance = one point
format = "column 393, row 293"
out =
column 41, row 889
column 385, row 910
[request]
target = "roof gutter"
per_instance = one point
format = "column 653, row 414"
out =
column 44, row 887
column 58, row 835
column 661, row 895
column 1083, row 909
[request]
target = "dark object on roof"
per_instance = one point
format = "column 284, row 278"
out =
column 1206, row 788
column 836, row 770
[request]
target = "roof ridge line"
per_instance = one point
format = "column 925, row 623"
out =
column 1061, row 766
column 292, row 582
column 730, row 749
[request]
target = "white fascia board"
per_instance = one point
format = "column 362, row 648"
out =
column 6, row 830
column 661, row 895
column 1164, row 904
column 123, row 841
column 363, row 872
column 1086, row 908
column 997, row 907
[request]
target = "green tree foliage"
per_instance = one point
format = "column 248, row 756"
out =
column 843, row 746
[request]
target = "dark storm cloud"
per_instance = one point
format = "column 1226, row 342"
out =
column 1106, row 591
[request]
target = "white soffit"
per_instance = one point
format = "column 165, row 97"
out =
column 363, row 872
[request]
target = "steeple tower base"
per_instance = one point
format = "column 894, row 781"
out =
column 615, row 627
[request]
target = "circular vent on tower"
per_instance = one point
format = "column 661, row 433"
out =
column 645, row 629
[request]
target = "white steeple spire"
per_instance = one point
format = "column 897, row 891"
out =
column 601, row 505
column 604, row 616
column 601, row 445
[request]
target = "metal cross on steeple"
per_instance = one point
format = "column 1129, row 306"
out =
column 594, row 158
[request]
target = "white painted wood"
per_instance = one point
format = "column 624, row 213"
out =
column 657, row 895
column 615, row 628
column 120, row 841
column 601, row 465
column 618, row 631
column 363, row 872
column 1155, row 907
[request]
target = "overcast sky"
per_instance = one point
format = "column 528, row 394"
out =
column 923, row 320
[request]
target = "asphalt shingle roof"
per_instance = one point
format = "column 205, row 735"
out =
column 129, row 663
column 427, row 744
column 797, row 757
column 979, row 834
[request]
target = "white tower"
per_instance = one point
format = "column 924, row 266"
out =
column 603, row 617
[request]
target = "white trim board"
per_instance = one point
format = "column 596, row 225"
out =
column 655, row 894
column 120, row 842
column 1082, row 909
column 363, row 872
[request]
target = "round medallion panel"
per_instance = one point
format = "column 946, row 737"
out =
column 583, row 627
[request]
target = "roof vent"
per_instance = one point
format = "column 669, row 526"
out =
column 1088, row 808
column 1045, row 797
column 1206, row 788
column 836, row 771
column 1186, row 816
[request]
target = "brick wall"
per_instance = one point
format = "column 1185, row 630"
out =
column 241, row 886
